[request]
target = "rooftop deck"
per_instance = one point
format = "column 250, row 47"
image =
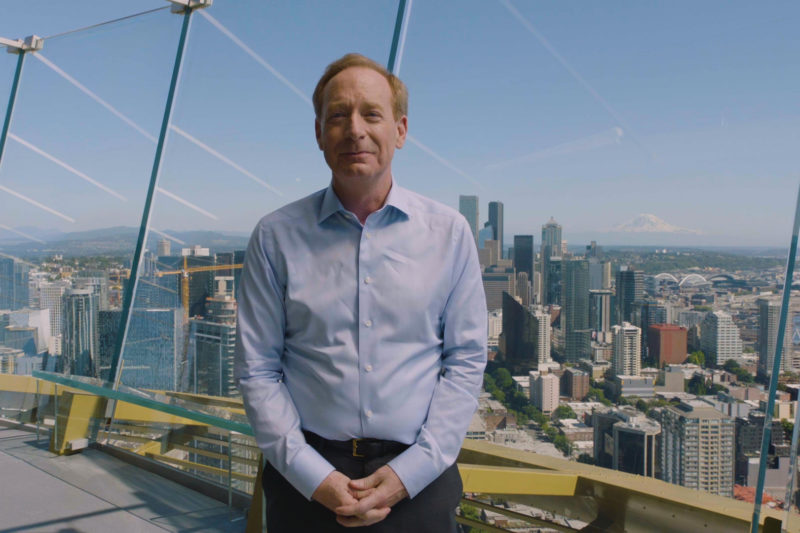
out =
column 94, row 491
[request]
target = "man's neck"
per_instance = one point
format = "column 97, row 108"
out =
column 362, row 197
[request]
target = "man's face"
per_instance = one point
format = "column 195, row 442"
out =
column 357, row 130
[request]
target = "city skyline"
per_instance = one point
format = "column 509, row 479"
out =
column 599, row 134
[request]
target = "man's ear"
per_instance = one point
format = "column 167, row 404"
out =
column 402, row 131
column 318, row 132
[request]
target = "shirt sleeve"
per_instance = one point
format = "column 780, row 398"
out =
column 261, row 322
column 463, row 361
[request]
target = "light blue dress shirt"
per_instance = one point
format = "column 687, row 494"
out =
column 354, row 331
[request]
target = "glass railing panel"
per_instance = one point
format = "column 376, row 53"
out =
column 240, row 144
column 73, row 180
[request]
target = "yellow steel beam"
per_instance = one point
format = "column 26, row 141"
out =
column 256, row 515
column 154, row 446
column 480, row 526
column 77, row 413
column 214, row 455
column 196, row 466
column 518, row 516
column 507, row 480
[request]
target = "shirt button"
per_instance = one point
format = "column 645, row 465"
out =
column 368, row 323
column 369, row 413
column 366, row 235
column 368, row 368
column 368, row 280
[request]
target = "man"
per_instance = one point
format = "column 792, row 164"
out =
column 361, row 338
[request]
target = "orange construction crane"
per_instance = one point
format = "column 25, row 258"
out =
column 185, row 272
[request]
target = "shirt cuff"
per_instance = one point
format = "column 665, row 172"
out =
column 416, row 469
column 307, row 471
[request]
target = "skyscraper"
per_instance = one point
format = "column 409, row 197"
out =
column 80, row 335
column 769, row 312
column 626, row 359
column 496, row 221
column 527, row 334
column 697, row 447
column 468, row 206
column 551, row 247
column 13, row 283
column 575, row 309
column 523, row 254
column 164, row 247
column 630, row 289
column 214, row 342
column 719, row 338
column 600, row 310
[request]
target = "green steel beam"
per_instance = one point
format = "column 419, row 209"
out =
column 115, row 372
column 398, row 37
column 12, row 99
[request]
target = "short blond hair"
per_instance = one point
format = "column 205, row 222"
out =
column 399, row 90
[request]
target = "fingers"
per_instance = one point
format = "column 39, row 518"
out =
column 372, row 501
column 373, row 516
column 365, row 482
column 361, row 494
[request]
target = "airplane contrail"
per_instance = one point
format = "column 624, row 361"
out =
column 442, row 160
column 65, row 166
column 12, row 230
column 37, row 204
column 225, row 159
column 574, row 73
column 167, row 236
column 260, row 60
column 93, row 96
column 604, row 138
column 187, row 203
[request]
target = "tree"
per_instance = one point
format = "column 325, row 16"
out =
column 697, row 385
column 563, row 444
column 697, row 358
column 585, row 458
column 564, row 411
column 731, row 365
column 503, row 378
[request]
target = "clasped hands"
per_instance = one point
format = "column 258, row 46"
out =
column 361, row 502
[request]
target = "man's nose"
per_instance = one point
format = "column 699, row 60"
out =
column 356, row 126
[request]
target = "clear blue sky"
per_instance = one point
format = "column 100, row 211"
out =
column 588, row 112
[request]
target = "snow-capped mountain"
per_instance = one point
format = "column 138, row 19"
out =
column 648, row 223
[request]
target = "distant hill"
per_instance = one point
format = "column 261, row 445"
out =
column 114, row 241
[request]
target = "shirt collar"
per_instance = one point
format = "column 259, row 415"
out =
column 397, row 198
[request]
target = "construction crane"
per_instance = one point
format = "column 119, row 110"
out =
column 187, row 271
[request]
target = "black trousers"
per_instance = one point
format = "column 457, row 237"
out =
column 432, row 510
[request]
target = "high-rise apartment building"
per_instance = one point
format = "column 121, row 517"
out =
column 630, row 289
column 575, row 309
column 523, row 254
column 599, row 274
column 80, row 334
column 526, row 331
column 719, row 338
column 214, row 341
column 626, row 358
column 600, row 310
column 625, row 440
column 468, row 206
column 496, row 281
column 697, row 447
column 51, row 295
column 551, row 247
column 769, row 312
column 544, row 389
column 667, row 344
column 164, row 247
column 13, row 283
column 155, row 352
column 496, row 221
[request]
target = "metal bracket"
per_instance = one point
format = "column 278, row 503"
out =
column 31, row 43
column 180, row 6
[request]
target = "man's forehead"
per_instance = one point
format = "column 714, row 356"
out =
column 367, row 80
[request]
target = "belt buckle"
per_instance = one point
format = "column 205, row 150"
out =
column 355, row 448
